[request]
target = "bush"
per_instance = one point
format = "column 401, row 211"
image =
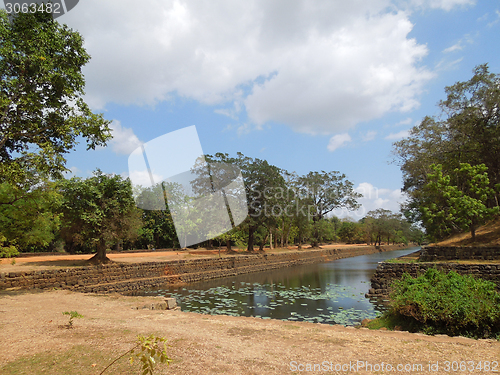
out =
column 451, row 304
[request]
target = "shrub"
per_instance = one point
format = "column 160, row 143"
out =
column 452, row 304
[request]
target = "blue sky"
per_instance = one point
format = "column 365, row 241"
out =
column 308, row 86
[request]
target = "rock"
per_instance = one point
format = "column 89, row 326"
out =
column 364, row 322
column 171, row 303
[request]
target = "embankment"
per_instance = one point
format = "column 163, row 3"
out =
column 441, row 258
column 128, row 277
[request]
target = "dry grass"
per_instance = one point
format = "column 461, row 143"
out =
column 35, row 341
column 486, row 235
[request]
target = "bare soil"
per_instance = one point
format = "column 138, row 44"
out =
column 32, row 325
column 486, row 235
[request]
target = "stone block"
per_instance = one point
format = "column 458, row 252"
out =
column 171, row 303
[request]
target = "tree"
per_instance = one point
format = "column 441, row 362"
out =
column 467, row 131
column 264, row 187
column 325, row 192
column 461, row 206
column 158, row 228
column 98, row 211
column 29, row 218
column 347, row 231
column 41, row 107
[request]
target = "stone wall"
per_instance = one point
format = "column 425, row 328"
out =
column 387, row 272
column 129, row 277
column 436, row 253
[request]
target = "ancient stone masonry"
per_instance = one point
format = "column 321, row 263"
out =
column 436, row 253
column 127, row 277
column 387, row 272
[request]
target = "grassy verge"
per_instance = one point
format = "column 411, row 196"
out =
column 80, row 359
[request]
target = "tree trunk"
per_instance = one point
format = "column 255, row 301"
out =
column 283, row 234
column 228, row 245
column 100, row 256
column 287, row 235
column 262, row 243
column 270, row 239
column 315, row 239
column 251, row 231
column 473, row 232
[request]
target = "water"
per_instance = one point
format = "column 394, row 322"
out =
column 331, row 293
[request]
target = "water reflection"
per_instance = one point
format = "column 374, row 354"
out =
column 330, row 292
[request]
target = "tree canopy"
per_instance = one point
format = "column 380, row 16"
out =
column 466, row 131
column 98, row 211
column 42, row 112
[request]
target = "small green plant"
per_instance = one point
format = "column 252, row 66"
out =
column 72, row 315
column 7, row 250
column 453, row 304
column 147, row 350
column 13, row 261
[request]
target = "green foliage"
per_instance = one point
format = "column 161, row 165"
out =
column 7, row 250
column 98, row 211
column 324, row 192
column 451, row 304
column 28, row 217
column 464, row 206
column 466, row 129
column 72, row 315
column 347, row 231
column 147, row 351
column 41, row 104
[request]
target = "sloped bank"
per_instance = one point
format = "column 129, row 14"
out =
column 129, row 277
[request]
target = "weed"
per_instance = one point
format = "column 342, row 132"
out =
column 72, row 315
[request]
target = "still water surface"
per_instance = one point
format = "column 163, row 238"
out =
column 331, row 293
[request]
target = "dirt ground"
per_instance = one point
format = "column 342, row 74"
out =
column 35, row 339
column 33, row 323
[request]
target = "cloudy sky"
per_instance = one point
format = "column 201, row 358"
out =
column 307, row 85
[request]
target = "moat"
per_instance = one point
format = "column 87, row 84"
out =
column 330, row 293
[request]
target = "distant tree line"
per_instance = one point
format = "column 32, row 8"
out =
column 99, row 213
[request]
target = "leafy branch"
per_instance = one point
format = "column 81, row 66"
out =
column 148, row 350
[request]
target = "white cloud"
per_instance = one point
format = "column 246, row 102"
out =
column 442, row 4
column 406, row 121
column 491, row 24
column 337, row 141
column 456, row 47
column 124, row 140
column 73, row 171
column 374, row 198
column 318, row 67
column 369, row 136
column 142, row 178
column 398, row 135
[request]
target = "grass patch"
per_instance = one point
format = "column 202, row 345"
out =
column 402, row 260
column 80, row 359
